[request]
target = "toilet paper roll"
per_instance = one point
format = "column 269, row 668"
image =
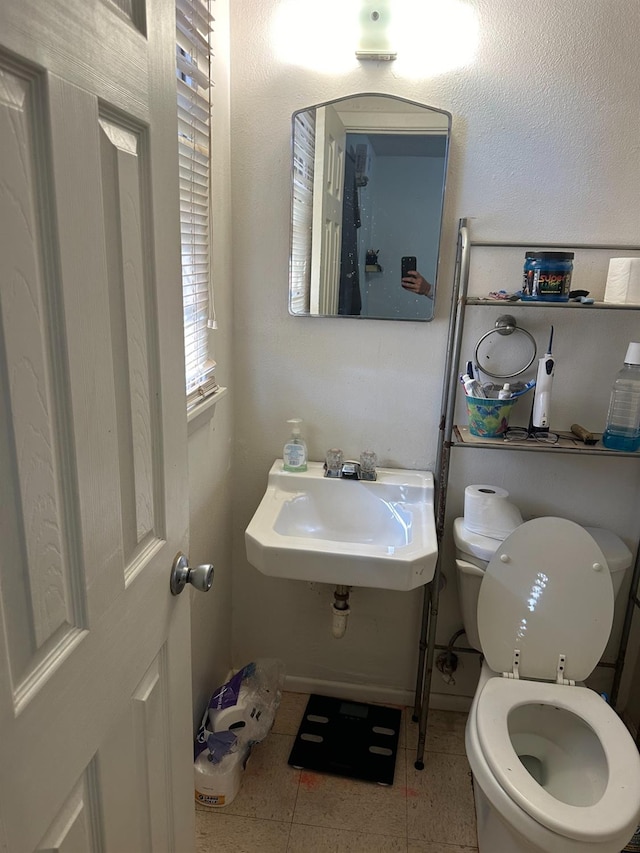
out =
column 623, row 280
column 489, row 512
column 220, row 721
column 217, row 784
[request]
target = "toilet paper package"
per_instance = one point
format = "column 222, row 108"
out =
column 217, row 784
column 489, row 512
column 248, row 702
column 623, row 281
column 239, row 714
column 232, row 717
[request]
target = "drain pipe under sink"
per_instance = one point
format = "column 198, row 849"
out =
column 341, row 611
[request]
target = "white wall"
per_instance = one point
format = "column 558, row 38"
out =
column 210, row 437
column 545, row 147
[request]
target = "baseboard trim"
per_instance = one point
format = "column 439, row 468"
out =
column 373, row 693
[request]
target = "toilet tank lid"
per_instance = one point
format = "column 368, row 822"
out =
column 482, row 547
column 618, row 556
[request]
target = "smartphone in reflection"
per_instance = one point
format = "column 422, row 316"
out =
column 408, row 263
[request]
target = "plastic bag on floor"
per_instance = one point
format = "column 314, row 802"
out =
column 247, row 703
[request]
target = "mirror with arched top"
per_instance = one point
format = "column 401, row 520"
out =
column 368, row 179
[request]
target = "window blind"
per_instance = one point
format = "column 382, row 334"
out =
column 303, row 161
column 193, row 71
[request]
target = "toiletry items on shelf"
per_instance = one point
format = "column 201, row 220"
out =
column 295, row 450
column 472, row 387
column 489, row 418
column 544, row 383
column 583, row 434
column 547, row 276
column 622, row 431
column 623, row 281
column 489, row 406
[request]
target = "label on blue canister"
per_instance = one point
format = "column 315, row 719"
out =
column 547, row 276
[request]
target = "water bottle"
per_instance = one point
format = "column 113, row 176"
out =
column 622, row 431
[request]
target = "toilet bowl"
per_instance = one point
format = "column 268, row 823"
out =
column 554, row 768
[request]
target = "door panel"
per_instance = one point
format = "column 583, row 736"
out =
column 124, row 164
column 82, row 273
column 76, row 828
column 43, row 606
column 94, row 651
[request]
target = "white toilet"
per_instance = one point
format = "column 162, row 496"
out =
column 554, row 768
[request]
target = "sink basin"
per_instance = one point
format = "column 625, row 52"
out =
column 376, row 534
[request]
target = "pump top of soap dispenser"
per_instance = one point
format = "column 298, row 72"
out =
column 295, row 428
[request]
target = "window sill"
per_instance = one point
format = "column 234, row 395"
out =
column 204, row 411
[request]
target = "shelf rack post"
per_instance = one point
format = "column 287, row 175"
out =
column 432, row 590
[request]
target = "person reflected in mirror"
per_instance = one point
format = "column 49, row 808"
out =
column 416, row 283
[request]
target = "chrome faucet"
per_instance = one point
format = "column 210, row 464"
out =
column 350, row 469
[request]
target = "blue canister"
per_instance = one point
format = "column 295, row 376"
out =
column 547, row 276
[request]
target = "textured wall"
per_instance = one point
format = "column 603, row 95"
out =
column 210, row 438
column 545, row 147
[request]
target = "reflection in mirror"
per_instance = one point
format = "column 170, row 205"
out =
column 367, row 197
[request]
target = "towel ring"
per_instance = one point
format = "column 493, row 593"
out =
column 505, row 325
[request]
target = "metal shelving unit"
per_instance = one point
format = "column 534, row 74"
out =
column 453, row 436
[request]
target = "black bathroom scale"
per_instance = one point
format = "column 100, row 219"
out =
column 348, row 739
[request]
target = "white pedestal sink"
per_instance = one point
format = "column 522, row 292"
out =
column 351, row 532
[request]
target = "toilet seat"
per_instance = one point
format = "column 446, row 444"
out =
column 546, row 592
column 599, row 821
column 545, row 611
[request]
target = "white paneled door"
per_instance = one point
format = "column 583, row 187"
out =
column 95, row 717
column 328, row 197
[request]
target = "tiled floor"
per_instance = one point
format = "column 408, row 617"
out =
column 282, row 810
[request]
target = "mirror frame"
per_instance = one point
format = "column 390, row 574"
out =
column 396, row 99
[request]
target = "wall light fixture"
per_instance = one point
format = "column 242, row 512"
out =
column 376, row 31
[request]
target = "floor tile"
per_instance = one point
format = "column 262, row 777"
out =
column 445, row 732
column 282, row 810
column 218, row 832
column 321, row 839
column 440, row 801
column 350, row 804
column 406, row 713
column 289, row 714
column 269, row 786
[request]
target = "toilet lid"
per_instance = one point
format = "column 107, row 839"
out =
column 547, row 591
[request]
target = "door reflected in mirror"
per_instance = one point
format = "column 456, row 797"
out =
column 367, row 198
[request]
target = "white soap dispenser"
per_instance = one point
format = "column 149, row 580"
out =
column 295, row 450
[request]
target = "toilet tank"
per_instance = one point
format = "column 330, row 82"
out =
column 474, row 551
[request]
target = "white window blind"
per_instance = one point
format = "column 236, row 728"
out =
column 303, row 161
column 193, row 70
